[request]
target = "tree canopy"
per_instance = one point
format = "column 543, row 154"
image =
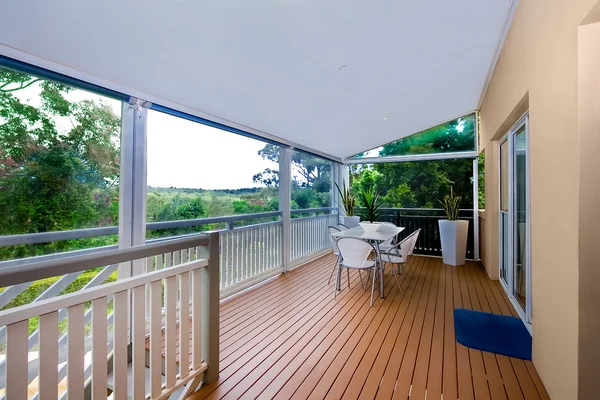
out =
column 52, row 178
column 418, row 184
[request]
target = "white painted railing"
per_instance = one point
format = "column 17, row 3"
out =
column 309, row 234
column 176, row 279
column 83, row 311
column 248, row 253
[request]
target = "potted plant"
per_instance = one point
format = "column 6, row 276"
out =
column 453, row 232
column 348, row 202
column 370, row 199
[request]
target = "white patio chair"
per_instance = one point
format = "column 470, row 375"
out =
column 399, row 254
column 388, row 244
column 354, row 254
column 342, row 227
column 336, row 251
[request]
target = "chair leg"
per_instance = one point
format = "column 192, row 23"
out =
column 397, row 273
column 373, row 287
column 337, row 280
column 348, row 273
column 362, row 285
column 335, row 265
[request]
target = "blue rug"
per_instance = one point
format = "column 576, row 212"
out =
column 491, row 332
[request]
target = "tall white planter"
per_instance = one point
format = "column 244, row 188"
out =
column 453, row 235
column 351, row 222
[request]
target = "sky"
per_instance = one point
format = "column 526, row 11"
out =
column 182, row 153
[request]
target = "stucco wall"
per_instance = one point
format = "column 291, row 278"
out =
column 538, row 70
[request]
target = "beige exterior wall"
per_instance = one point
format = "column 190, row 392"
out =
column 538, row 71
column 589, row 208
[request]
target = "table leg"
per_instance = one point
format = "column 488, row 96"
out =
column 380, row 267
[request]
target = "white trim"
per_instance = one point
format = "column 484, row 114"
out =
column 475, row 209
column 526, row 313
column 529, row 282
column 413, row 157
column 499, row 46
column 35, row 309
column 29, row 58
column 285, row 184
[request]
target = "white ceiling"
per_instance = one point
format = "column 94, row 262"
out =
column 274, row 66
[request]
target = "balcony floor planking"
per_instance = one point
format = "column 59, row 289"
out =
column 324, row 347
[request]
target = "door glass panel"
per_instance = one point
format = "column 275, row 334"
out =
column 520, row 217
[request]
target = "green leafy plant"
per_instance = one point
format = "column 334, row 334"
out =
column 450, row 204
column 348, row 201
column 370, row 199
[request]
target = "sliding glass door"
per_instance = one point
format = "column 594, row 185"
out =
column 515, row 264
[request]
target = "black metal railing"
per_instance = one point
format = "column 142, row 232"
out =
column 427, row 220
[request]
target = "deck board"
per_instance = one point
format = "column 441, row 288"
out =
column 290, row 338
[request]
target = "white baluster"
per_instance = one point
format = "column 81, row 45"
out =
column 16, row 360
column 170, row 334
column 184, row 325
column 75, row 352
column 99, row 349
column 120, row 301
column 155, row 338
column 138, row 335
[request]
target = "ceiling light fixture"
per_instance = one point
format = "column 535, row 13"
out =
column 384, row 118
column 343, row 67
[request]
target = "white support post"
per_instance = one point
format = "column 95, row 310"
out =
column 132, row 188
column 337, row 179
column 475, row 209
column 285, row 198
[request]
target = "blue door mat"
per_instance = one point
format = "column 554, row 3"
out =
column 492, row 332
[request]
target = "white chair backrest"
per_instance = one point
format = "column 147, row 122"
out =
column 354, row 252
column 404, row 247
column 415, row 236
column 383, row 226
column 331, row 230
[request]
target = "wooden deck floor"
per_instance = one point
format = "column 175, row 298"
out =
column 291, row 339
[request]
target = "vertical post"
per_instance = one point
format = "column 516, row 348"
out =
column 210, row 307
column 132, row 188
column 285, row 193
column 476, row 209
column 343, row 179
column 476, row 192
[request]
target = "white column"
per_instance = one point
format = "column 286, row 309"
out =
column 285, row 194
column 132, row 185
column 337, row 178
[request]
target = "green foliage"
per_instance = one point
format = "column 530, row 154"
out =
column 481, row 186
column 451, row 206
column 347, row 198
column 54, row 179
column 417, row 184
column 453, row 136
column 370, row 200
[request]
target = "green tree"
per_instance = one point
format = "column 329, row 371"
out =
column 55, row 179
column 418, row 184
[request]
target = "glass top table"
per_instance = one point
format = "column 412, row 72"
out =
column 376, row 233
